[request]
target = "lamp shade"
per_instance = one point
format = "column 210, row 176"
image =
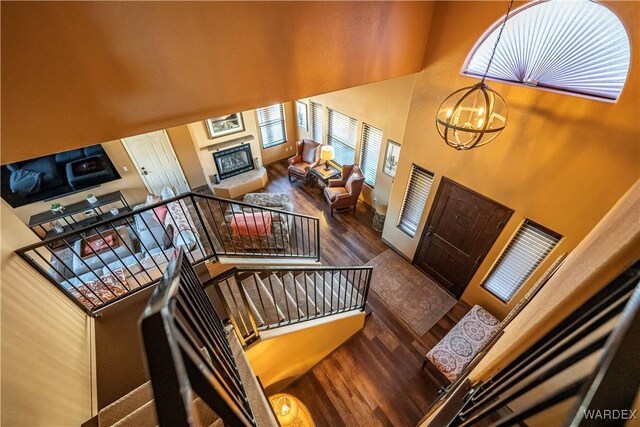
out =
column 327, row 152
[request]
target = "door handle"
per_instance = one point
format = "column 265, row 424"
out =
column 144, row 171
column 429, row 231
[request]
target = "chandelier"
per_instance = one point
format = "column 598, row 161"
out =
column 474, row 115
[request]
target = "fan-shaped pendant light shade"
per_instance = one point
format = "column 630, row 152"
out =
column 577, row 47
column 471, row 117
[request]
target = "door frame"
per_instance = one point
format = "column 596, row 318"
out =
column 444, row 180
column 171, row 151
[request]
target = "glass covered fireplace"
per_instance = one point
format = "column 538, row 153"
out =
column 233, row 161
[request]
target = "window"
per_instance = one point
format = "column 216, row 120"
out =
column 524, row 253
column 317, row 122
column 415, row 198
column 342, row 136
column 576, row 47
column 370, row 153
column 271, row 123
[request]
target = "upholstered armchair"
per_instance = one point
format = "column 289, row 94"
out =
column 307, row 156
column 343, row 193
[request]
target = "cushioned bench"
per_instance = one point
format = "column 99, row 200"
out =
column 446, row 361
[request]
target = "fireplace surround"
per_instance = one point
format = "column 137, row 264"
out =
column 233, row 161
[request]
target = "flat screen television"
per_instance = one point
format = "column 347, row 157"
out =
column 52, row 176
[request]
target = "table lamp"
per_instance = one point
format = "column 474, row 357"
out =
column 327, row 153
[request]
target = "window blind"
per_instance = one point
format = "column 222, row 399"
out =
column 577, row 47
column 317, row 122
column 524, row 253
column 342, row 136
column 414, row 200
column 370, row 153
column 271, row 123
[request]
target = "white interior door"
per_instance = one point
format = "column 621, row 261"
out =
column 156, row 162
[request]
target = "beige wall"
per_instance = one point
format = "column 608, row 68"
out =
column 88, row 72
column 46, row 374
column 562, row 161
column 187, row 157
column 383, row 105
column 284, row 354
column 130, row 185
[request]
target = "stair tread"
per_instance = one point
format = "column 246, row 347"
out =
column 231, row 293
column 261, row 297
column 316, row 290
column 306, row 304
column 293, row 312
column 331, row 293
column 347, row 291
column 113, row 413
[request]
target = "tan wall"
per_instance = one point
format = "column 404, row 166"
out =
column 189, row 160
column 130, row 185
column 562, row 161
column 383, row 105
column 282, row 151
column 201, row 140
column 283, row 355
column 46, row 342
column 88, row 72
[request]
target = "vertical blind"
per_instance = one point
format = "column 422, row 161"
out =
column 271, row 123
column 414, row 200
column 317, row 122
column 370, row 153
column 578, row 47
column 524, row 253
column 342, row 136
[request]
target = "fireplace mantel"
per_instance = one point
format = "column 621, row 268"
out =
column 229, row 143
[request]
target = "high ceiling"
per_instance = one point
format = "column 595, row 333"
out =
column 80, row 73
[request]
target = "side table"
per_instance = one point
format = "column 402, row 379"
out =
column 320, row 176
column 379, row 216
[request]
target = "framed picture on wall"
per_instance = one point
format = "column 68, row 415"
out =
column 391, row 157
column 301, row 115
column 224, row 125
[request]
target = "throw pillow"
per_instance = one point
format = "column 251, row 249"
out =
column 257, row 224
column 309, row 152
column 100, row 291
column 160, row 214
column 152, row 198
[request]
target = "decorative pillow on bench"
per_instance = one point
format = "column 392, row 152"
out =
column 257, row 224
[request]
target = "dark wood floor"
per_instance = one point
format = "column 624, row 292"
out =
column 375, row 378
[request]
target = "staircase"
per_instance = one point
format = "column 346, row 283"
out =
column 263, row 298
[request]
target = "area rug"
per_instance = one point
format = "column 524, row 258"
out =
column 410, row 293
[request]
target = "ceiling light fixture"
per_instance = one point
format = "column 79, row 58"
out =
column 473, row 116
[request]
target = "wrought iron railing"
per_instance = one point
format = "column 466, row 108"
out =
column 262, row 298
column 605, row 328
column 187, row 353
column 104, row 262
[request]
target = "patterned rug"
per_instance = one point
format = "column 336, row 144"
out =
column 411, row 294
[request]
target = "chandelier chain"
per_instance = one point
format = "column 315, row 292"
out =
column 495, row 47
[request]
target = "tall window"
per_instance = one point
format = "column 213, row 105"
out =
column 342, row 136
column 524, row 253
column 415, row 198
column 576, row 47
column 317, row 121
column 271, row 124
column 370, row 153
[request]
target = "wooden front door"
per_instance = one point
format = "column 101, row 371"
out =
column 461, row 227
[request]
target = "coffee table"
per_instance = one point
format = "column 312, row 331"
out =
column 320, row 176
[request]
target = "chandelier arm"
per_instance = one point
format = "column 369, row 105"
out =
column 495, row 46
